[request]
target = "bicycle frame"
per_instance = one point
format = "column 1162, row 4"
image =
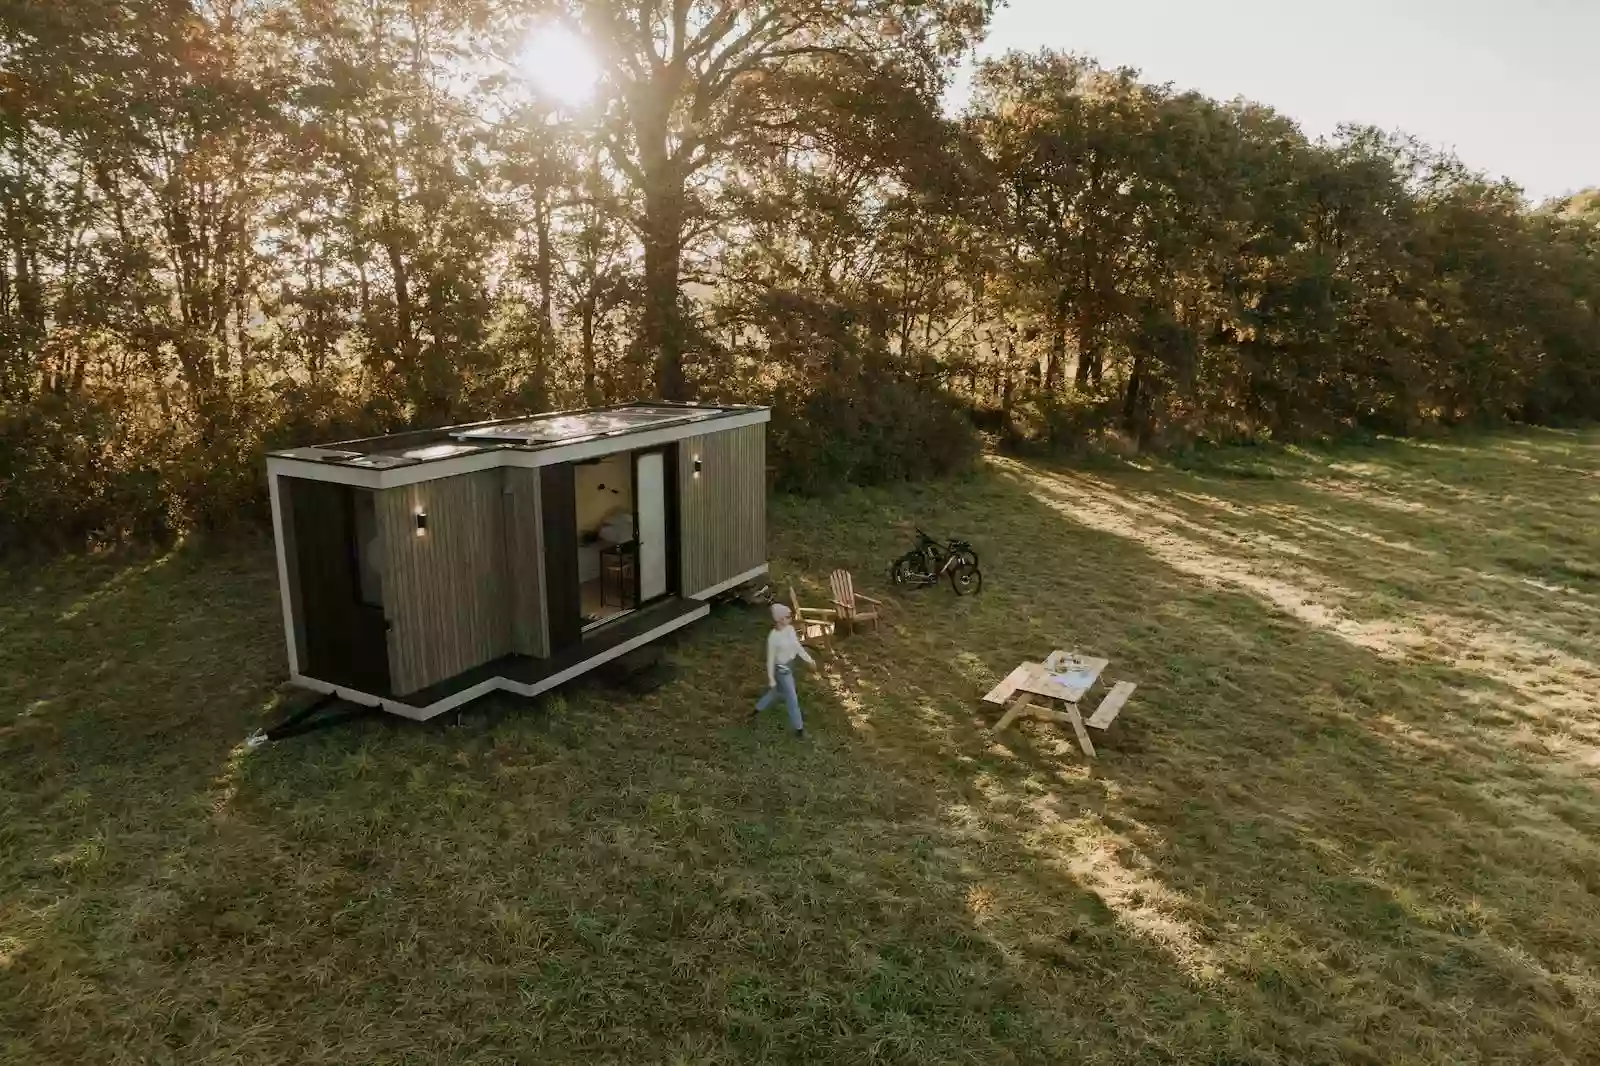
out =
column 930, row 561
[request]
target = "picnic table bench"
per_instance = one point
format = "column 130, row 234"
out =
column 1037, row 688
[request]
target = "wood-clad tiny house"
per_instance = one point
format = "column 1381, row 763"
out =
column 421, row 570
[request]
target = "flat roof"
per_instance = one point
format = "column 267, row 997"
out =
column 525, row 433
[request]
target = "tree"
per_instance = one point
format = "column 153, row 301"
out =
column 229, row 224
column 697, row 82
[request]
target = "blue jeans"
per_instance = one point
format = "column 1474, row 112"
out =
column 785, row 685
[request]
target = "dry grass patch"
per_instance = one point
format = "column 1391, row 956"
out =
column 1350, row 815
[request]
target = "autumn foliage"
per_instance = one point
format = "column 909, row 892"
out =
column 228, row 227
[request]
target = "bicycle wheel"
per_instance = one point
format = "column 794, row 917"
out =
column 966, row 579
column 902, row 571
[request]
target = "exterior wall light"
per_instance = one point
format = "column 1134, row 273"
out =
column 422, row 522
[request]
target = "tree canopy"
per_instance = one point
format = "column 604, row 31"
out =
column 230, row 225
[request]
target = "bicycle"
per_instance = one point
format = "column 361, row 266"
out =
column 924, row 565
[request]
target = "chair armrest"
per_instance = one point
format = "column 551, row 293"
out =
column 823, row 611
column 869, row 599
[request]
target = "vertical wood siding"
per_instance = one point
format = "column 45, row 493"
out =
column 525, row 563
column 723, row 512
column 445, row 594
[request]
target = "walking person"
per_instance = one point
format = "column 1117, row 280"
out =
column 783, row 648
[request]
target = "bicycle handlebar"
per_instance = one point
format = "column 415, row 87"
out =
column 956, row 545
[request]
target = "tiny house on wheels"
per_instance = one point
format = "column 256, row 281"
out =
column 421, row 570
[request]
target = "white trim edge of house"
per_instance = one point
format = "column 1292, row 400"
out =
column 469, row 464
column 732, row 582
column 283, row 573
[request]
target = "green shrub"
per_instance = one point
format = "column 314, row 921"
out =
column 73, row 471
column 868, row 432
column 93, row 468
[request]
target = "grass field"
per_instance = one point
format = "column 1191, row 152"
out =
column 1349, row 816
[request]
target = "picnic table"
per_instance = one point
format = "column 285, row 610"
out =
column 1060, row 683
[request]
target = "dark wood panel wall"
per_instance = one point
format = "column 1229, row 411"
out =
column 445, row 593
column 723, row 509
column 530, row 632
column 558, row 503
column 343, row 638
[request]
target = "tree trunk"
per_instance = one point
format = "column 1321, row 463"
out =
column 414, row 375
column 547, row 324
column 1085, row 358
column 405, row 339
column 906, row 319
column 927, row 368
column 591, row 392
column 1133, row 399
column 1089, row 323
column 1057, row 361
column 28, row 304
column 592, row 238
column 1008, row 389
column 661, row 331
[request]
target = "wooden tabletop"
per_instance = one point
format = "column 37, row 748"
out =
column 1034, row 678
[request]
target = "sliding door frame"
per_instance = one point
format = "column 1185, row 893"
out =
column 669, row 492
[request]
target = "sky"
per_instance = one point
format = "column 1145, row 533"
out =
column 1511, row 86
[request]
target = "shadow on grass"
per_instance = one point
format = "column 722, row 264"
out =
column 1293, row 848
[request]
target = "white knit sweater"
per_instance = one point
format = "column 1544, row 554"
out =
column 783, row 646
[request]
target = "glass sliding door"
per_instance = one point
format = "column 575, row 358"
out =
column 650, row 509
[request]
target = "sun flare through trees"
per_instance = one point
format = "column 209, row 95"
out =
column 229, row 226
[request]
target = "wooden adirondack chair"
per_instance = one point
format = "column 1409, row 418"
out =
column 811, row 623
column 845, row 597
